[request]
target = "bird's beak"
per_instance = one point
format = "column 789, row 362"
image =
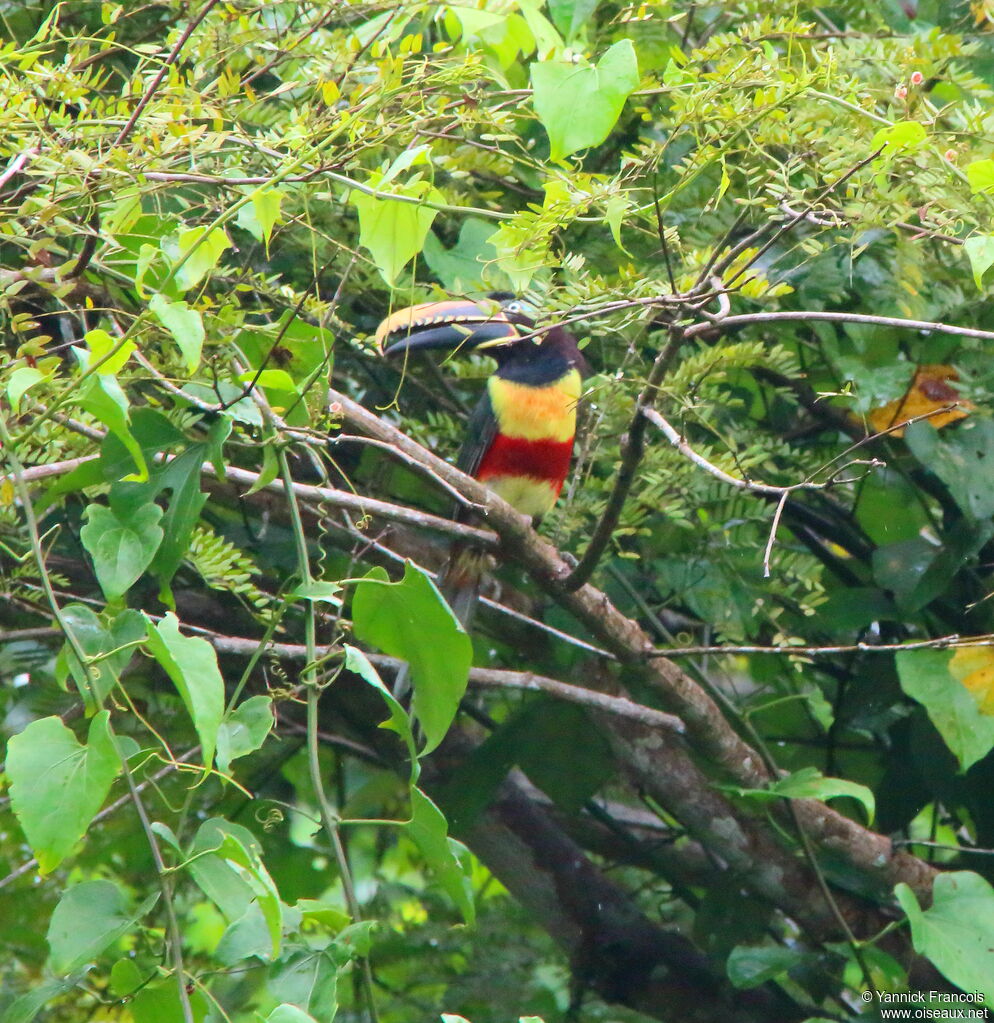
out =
column 452, row 324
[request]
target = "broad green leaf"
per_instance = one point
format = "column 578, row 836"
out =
column 579, row 104
column 961, row 459
column 185, row 324
column 809, row 783
column 569, row 16
column 191, row 663
column 181, row 476
column 980, row 250
column 57, row 785
column 926, row 677
column 122, row 543
column 125, row 978
column 429, row 831
column 957, row 931
column 27, row 1007
column 102, row 397
column 289, row 1014
column 276, row 379
column 357, row 661
column 394, row 231
column 468, row 265
column 89, row 918
column 261, row 215
column 110, row 648
column 980, row 174
column 254, row 871
column 195, row 252
column 21, row 381
column 244, row 731
column 225, row 886
column 318, row 591
column 749, row 965
column 101, row 344
column 410, row 620
column 902, row 135
column 159, row 1003
column 308, row 980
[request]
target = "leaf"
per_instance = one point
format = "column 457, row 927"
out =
column 394, row 231
column 318, row 591
column 122, row 543
column 103, row 398
column 225, row 886
column 159, row 1003
column 184, row 324
column 244, row 731
column 89, row 918
column 928, row 392
column 289, row 1014
column 357, row 661
column 57, row 785
column 110, row 648
column 25, row 1008
column 961, row 460
column 926, row 676
column 101, row 344
column 262, row 213
column 21, row 381
column 191, row 663
column 579, row 104
column 980, row 250
column 569, row 16
column 957, row 931
column 411, row 620
column 308, row 980
column 249, row 859
column 973, row 668
column 193, row 253
column 903, row 135
column 980, row 174
column 809, row 783
column 181, row 475
column 750, row 965
column 429, row 831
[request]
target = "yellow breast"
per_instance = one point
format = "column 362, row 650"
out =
column 536, row 413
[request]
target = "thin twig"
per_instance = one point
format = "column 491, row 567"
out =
column 161, row 73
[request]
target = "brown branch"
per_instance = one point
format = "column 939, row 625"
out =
column 786, row 316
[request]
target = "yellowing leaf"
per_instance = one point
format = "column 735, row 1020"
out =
column 929, row 391
column 973, row 666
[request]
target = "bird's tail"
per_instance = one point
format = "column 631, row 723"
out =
column 460, row 581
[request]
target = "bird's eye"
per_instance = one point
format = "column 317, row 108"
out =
column 513, row 307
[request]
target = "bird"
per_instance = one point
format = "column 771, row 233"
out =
column 519, row 438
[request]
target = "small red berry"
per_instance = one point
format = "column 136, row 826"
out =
column 917, row 78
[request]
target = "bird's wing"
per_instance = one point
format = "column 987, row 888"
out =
column 481, row 428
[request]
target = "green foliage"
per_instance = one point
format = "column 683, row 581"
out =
column 57, row 785
column 954, row 932
column 409, row 620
